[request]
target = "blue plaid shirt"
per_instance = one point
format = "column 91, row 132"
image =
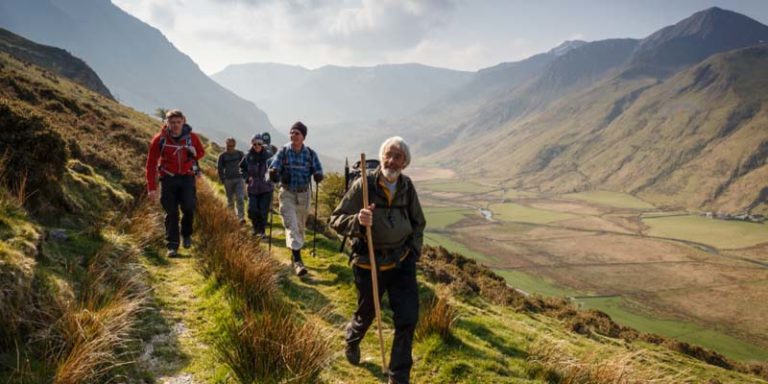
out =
column 297, row 165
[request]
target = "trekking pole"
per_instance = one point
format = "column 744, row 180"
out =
column 271, row 215
column 374, row 269
column 346, row 188
column 314, row 238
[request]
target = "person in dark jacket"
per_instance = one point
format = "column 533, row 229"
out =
column 397, row 224
column 254, row 170
column 229, row 175
column 173, row 153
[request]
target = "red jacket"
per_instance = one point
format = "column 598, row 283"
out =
column 174, row 159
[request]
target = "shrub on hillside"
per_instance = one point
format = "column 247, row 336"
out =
column 35, row 152
column 437, row 317
column 273, row 346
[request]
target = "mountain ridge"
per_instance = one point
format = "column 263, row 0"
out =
column 139, row 65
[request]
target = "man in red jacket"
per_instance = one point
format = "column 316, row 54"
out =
column 173, row 153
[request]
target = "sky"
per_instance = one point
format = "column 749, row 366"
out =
column 458, row 34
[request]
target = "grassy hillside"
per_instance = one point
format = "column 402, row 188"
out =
column 88, row 296
column 56, row 60
column 694, row 140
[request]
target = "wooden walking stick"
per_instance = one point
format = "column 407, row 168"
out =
column 374, row 270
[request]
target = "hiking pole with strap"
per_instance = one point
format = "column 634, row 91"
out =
column 314, row 238
column 374, row 269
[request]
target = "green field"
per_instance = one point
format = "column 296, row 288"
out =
column 717, row 233
column 610, row 199
column 458, row 186
column 446, row 242
column 519, row 213
column 616, row 307
column 534, row 284
column 441, row 217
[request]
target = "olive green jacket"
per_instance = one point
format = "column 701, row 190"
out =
column 398, row 223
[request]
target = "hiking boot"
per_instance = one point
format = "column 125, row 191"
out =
column 187, row 241
column 352, row 352
column 242, row 221
column 172, row 253
column 298, row 268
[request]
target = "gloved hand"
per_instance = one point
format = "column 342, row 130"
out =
column 318, row 177
column 192, row 151
column 273, row 175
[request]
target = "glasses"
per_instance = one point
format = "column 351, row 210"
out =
column 258, row 144
column 295, row 133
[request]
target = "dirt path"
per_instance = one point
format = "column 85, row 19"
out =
column 177, row 347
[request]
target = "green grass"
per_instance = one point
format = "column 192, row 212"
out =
column 458, row 186
column 611, row 199
column 535, row 284
column 717, row 233
column 446, row 242
column 519, row 213
column 440, row 218
column 730, row 346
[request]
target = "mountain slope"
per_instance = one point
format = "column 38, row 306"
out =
column 694, row 39
column 331, row 94
column 512, row 91
column 54, row 59
column 694, row 140
column 138, row 64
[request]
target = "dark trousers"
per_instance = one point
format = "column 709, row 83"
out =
column 178, row 192
column 400, row 285
column 258, row 210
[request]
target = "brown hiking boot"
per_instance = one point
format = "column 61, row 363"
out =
column 298, row 268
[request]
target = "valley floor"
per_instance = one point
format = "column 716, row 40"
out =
column 677, row 274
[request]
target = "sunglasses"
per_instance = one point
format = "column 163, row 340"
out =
column 257, row 143
column 295, row 133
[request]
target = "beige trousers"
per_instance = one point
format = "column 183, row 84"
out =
column 294, row 207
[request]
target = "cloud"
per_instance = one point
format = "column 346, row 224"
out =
column 307, row 32
column 389, row 24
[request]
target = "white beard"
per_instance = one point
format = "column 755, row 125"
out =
column 390, row 174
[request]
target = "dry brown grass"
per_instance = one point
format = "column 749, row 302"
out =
column 233, row 256
column 549, row 361
column 437, row 317
column 274, row 347
column 268, row 341
column 90, row 338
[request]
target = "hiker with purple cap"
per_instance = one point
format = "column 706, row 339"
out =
column 294, row 166
column 254, row 170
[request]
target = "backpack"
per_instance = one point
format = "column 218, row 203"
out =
column 188, row 141
column 285, row 176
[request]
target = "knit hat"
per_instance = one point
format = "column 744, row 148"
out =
column 257, row 137
column 299, row 126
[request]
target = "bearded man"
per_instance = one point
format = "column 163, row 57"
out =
column 397, row 223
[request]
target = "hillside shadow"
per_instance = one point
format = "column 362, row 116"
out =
column 312, row 299
column 484, row 333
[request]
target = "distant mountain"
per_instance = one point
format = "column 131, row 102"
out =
column 694, row 39
column 53, row 59
column 138, row 64
column 512, row 90
column 333, row 94
column 695, row 140
column 682, row 137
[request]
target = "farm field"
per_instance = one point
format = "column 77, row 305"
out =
column 722, row 234
column 685, row 276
